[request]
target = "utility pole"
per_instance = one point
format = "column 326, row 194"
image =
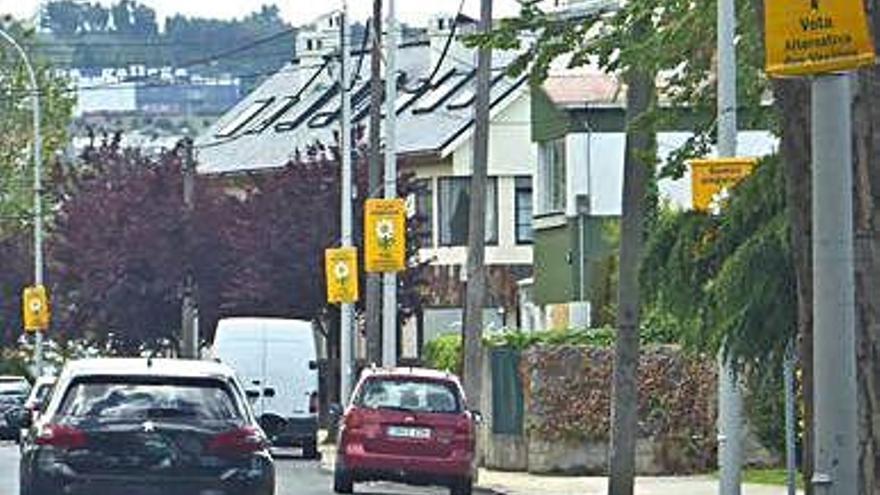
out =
column 476, row 271
column 374, row 280
column 38, row 189
column 389, row 292
column 189, row 345
column 836, row 400
column 730, row 424
column 347, row 311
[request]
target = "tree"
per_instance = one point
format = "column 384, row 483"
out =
column 16, row 168
column 119, row 248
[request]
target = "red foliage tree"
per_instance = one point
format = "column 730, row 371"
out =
column 119, row 248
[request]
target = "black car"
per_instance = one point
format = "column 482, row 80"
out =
column 144, row 427
column 13, row 393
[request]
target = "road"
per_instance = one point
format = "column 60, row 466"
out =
column 294, row 477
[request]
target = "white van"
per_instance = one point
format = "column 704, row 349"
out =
column 276, row 360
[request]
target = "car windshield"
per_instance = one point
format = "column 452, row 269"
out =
column 409, row 395
column 128, row 399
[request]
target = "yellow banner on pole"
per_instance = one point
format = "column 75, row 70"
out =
column 35, row 309
column 342, row 275
column 385, row 235
column 710, row 178
column 806, row 37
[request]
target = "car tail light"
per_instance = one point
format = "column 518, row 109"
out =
column 62, row 437
column 313, row 403
column 240, row 441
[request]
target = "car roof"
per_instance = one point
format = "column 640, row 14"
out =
column 172, row 368
column 407, row 372
column 12, row 378
column 45, row 380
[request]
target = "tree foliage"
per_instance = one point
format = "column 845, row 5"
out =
column 119, row 248
column 728, row 281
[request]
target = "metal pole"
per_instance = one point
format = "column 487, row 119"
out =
column 836, row 416
column 347, row 316
column 189, row 345
column 730, row 424
column 389, row 289
column 790, row 419
column 38, row 188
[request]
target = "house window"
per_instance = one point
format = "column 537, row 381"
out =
column 455, row 210
column 309, row 45
column 524, row 213
column 424, row 211
column 551, row 173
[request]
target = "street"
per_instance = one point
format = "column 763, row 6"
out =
column 293, row 477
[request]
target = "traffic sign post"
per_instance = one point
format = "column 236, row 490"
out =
column 342, row 275
column 808, row 37
column 711, row 177
column 35, row 309
column 385, row 235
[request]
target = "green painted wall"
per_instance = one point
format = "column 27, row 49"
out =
column 553, row 277
column 557, row 271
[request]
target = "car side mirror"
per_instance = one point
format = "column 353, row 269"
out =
column 313, row 365
column 335, row 411
column 269, row 392
column 20, row 417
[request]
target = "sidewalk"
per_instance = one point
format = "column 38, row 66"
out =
column 528, row 484
column 506, row 483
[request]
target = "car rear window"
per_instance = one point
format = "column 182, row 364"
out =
column 404, row 394
column 128, row 398
column 14, row 387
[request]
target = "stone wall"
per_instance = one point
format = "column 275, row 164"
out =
column 568, row 399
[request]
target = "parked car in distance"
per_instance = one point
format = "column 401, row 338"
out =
column 277, row 361
column 40, row 393
column 13, row 393
column 143, row 426
column 407, row 425
column 37, row 399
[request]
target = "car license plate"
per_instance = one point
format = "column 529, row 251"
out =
column 409, row 432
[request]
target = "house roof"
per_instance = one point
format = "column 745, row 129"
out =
column 299, row 106
column 584, row 86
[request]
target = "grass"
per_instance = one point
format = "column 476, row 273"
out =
column 777, row 477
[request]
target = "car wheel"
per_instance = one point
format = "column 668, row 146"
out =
column 462, row 487
column 342, row 481
column 310, row 449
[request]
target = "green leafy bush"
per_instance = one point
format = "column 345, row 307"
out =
column 444, row 353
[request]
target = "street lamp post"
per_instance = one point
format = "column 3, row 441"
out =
column 38, row 189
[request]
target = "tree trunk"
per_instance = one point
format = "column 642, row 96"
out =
column 625, row 400
column 793, row 105
column 373, row 302
column 866, row 127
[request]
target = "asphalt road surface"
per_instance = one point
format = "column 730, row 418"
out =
column 293, row 477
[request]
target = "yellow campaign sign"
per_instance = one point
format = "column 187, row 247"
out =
column 35, row 309
column 342, row 275
column 710, row 178
column 806, row 37
column 385, row 235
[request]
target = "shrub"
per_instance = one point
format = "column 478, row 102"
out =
column 444, row 353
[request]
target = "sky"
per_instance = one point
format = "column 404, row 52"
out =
column 295, row 11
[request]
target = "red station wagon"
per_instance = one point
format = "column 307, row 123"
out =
column 407, row 425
